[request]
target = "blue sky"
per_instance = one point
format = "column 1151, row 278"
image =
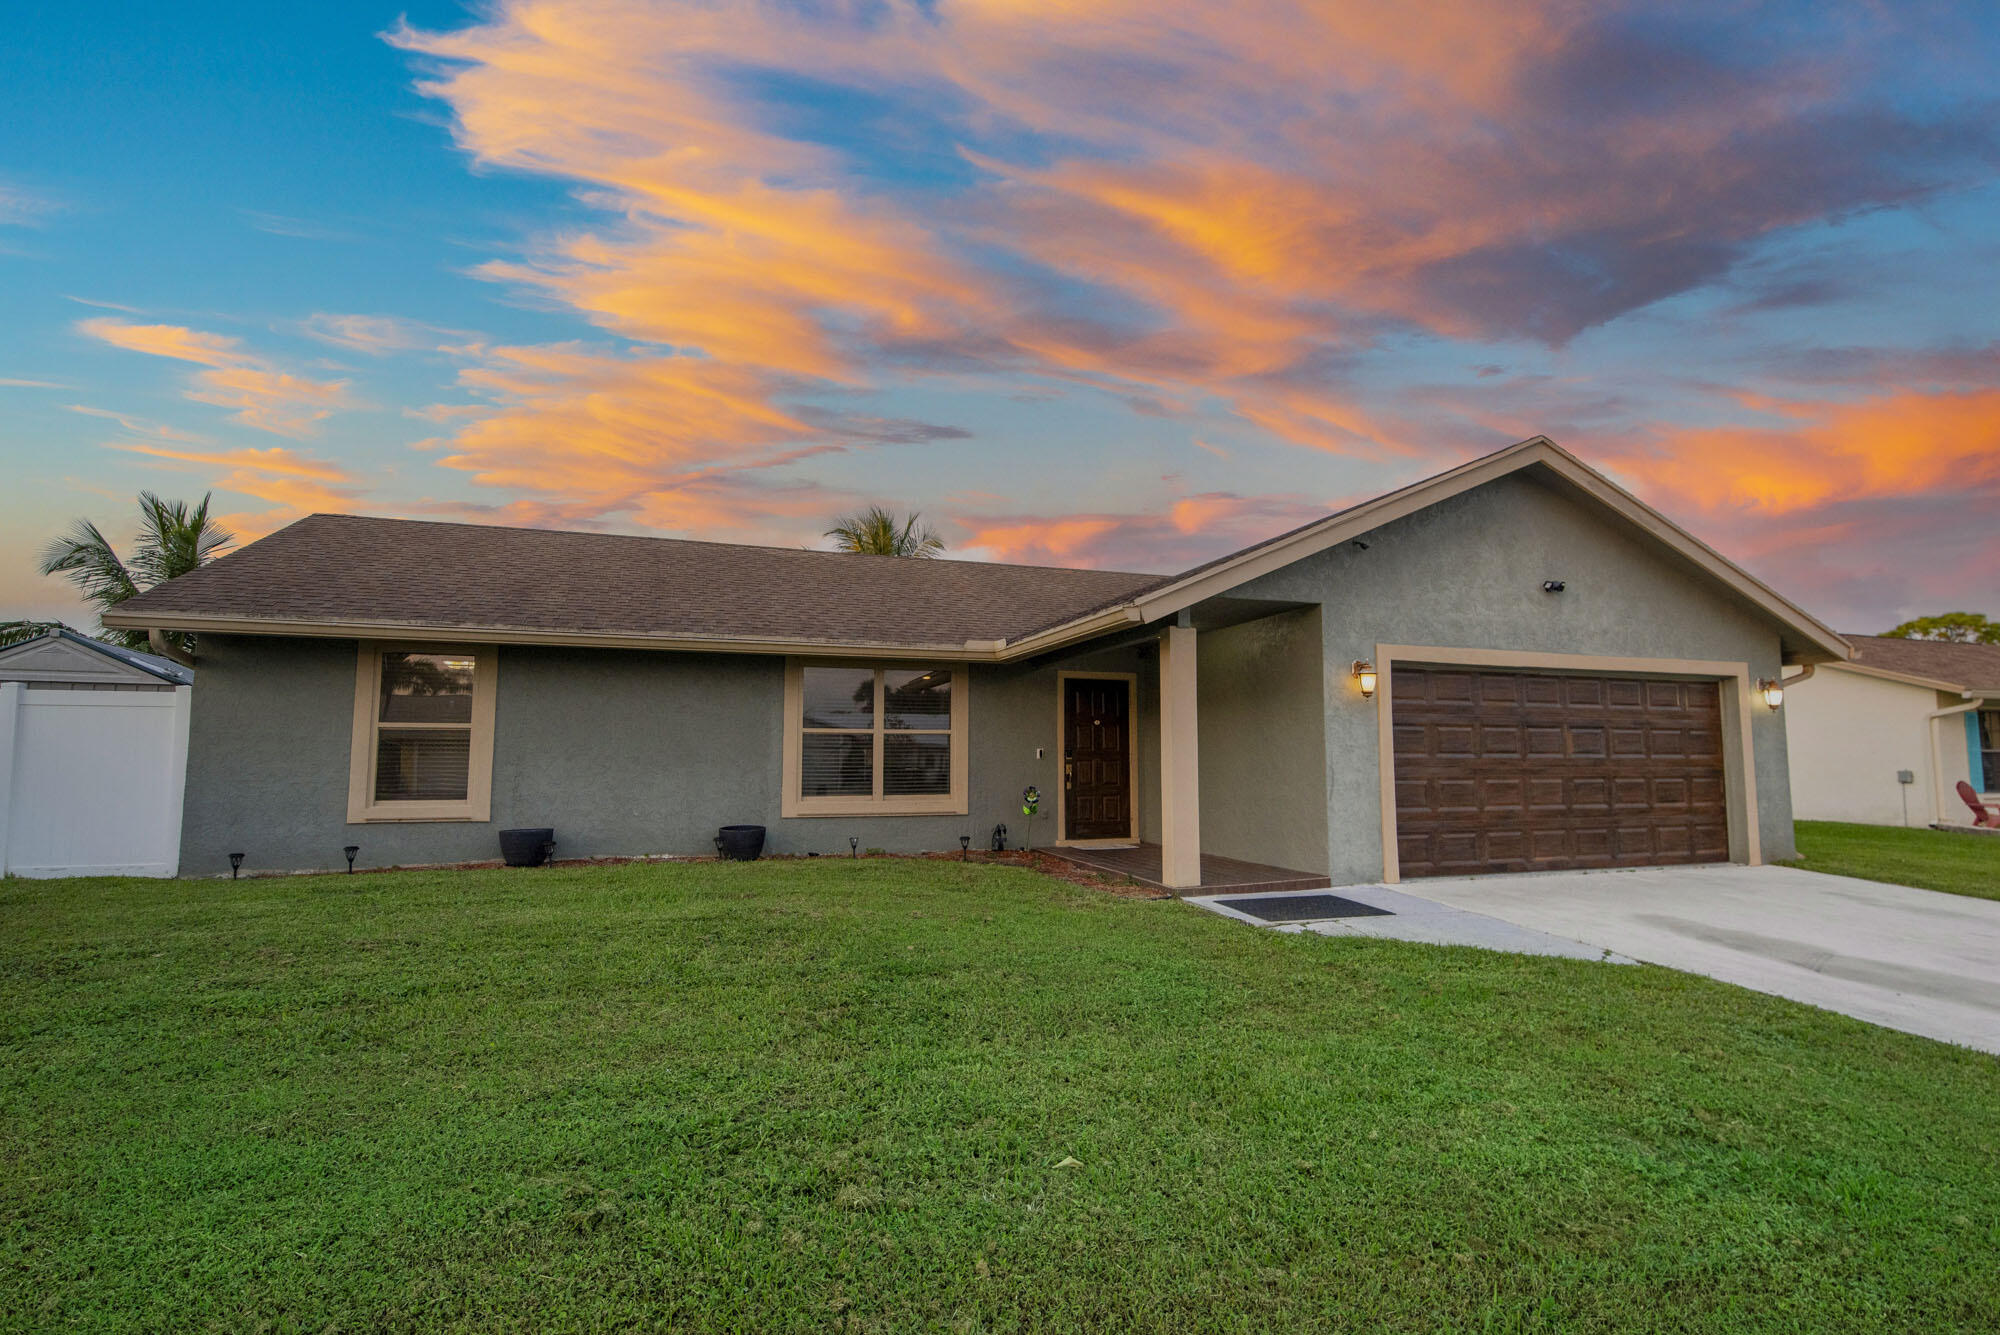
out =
column 1122, row 285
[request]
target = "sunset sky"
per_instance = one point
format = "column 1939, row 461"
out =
column 1122, row 284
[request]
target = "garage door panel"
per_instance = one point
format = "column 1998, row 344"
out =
column 1583, row 692
column 1628, row 741
column 1505, row 771
column 1622, row 694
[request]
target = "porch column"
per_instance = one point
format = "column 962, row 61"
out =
column 1180, row 763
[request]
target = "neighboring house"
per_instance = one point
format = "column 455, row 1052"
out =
column 1564, row 678
column 93, row 749
column 1887, row 738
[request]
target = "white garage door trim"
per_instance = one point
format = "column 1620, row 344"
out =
column 1739, row 762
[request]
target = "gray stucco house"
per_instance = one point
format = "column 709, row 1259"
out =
column 1512, row 666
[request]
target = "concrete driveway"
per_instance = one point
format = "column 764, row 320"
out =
column 1915, row 960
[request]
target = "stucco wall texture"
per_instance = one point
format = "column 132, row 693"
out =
column 624, row 753
column 1260, row 693
column 1468, row 573
column 628, row 752
column 1849, row 734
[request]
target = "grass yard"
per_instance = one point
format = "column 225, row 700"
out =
column 1959, row 864
column 836, row 1095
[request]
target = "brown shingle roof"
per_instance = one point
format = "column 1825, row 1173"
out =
column 350, row 570
column 1969, row 667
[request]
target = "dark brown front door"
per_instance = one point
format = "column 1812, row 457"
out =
column 1510, row 771
column 1097, row 758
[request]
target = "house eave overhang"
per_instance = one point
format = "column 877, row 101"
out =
column 1810, row 640
column 1806, row 640
column 967, row 651
column 1911, row 679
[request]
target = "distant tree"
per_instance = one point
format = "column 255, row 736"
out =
column 1955, row 627
column 875, row 532
column 174, row 538
column 13, row 632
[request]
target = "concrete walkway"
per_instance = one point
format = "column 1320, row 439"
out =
column 1916, row 960
column 1411, row 918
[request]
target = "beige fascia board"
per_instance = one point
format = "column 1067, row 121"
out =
column 350, row 630
column 1781, row 608
column 1333, row 531
column 1069, row 632
column 968, row 651
column 1906, row 678
column 1535, row 450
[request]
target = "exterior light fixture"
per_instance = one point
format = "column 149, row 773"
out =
column 853, row 846
column 351, row 850
column 1553, row 586
column 235, row 861
column 964, row 847
column 1364, row 676
column 1772, row 690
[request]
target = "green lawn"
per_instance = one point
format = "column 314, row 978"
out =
column 1961, row 864
column 834, row 1095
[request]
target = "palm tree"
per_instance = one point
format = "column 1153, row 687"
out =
column 174, row 538
column 875, row 532
column 13, row 632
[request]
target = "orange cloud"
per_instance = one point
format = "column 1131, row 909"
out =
column 258, row 394
column 293, row 484
column 1194, row 529
column 1895, row 443
column 1194, row 208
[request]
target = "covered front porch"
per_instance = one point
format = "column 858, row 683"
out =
column 1227, row 757
column 1145, row 864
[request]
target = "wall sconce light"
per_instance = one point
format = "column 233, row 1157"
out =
column 1364, row 676
column 235, row 861
column 1772, row 690
column 351, row 850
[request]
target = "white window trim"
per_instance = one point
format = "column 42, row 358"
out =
column 362, row 808
column 792, row 803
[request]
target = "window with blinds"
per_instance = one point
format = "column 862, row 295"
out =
column 883, row 739
column 423, row 745
column 423, row 739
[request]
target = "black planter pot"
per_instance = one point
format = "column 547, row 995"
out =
column 527, row 848
column 740, row 843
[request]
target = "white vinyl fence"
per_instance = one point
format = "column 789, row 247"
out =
column 91, row 781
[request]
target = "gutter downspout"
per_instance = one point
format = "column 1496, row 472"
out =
column 157, row 640
column 1789, row 682
column 1937, row 759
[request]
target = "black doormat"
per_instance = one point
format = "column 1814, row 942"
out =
column 1304, row 908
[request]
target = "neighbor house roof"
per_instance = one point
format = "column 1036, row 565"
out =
column 1969, row 669
column 341, row 575
column 48, row 666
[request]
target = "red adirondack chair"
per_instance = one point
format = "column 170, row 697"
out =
column 1982, row 814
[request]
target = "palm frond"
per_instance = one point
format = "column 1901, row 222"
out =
column 13, row 632
column 876, row 532
column 175, row 538
column 89, row 561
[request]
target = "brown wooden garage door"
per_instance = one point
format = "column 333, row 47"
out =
column 1508, row 771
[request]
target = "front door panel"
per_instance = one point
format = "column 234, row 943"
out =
column 1097, row 758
